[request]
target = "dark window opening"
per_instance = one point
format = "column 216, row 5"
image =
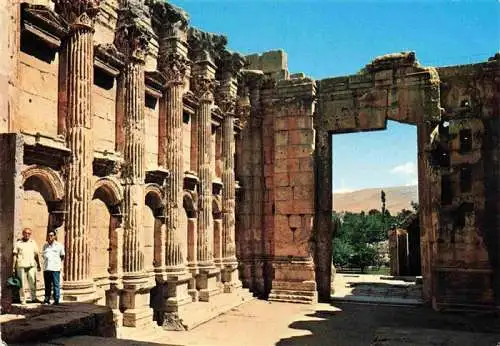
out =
column 32, row 45
column 465, row 141
column 446, row 190
column 461, row 214
column 150, row 101
column 465, row 179
column 186, row 117
column 103, row 80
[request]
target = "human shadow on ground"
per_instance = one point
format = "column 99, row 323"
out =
column 357, row 324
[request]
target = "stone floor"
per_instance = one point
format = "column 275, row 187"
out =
column 262, row 323
column 377, row 289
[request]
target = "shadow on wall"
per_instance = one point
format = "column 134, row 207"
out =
column 39, row 323
column 360, row 324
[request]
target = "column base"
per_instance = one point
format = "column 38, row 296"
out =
column 294, row 283
column 135, row 298
column 208, row 283
column 258, row 284
column 229, row 277
column 79, row 291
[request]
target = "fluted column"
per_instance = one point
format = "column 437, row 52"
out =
column 204, row 90
column 132, row 41
column 229, row 191
column 77, row 281
column 174, row 68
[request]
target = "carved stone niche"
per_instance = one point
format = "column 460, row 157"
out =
column 105, row 164
column 158, row 176
column 42, row 23
column 191, row 181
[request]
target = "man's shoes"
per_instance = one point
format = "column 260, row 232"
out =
column 55, row 303
column 46, row 302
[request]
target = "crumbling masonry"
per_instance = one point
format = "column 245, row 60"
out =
column 180, row 174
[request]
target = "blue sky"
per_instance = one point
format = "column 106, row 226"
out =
column 333, row 38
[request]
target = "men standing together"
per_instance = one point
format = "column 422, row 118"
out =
column 26, row 263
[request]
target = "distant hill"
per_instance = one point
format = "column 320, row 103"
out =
column 397, row 198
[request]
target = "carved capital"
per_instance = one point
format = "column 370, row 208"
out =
column 231, row 63
column 202, row 43
column 243, row 110
column 79, row 14
column 167, row 19
column 131, row 38
column 203, row 88
column 226, row 103
column 174, row 67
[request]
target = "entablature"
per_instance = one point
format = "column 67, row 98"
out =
column 45, row 150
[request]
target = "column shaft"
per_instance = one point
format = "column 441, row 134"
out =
column 79, row 169
column 174, row 192
column 228, row 192
column 205, row 238
column 134, row 170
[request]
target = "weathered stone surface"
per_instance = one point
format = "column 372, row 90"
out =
column 173, row 164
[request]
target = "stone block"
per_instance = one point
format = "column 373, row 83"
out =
column 301, row 178
column 300, row 150
column 283, row 193
column 281, row 179
column 281, row 138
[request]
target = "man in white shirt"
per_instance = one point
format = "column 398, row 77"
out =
column 53, row 255
column 26, row 263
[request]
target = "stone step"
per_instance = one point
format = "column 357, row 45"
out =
column 197, row 313
column 64, row 320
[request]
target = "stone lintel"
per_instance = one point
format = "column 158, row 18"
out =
column 190, row 102
column 43, row 23
column 155, row 83
column 44, row 150
column 108, row 59
column 105, row 163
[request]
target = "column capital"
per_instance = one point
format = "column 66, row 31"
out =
column 131, row 37
column 204, row 87
column 168, row 20
column 174, row 67
column 79, row 14
column 243, row 109
column 226, row 103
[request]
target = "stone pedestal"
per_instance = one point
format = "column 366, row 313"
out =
column 294, row 282
column 135, row 301
column 208, row 283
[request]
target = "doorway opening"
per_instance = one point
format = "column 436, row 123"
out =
column 376, row 239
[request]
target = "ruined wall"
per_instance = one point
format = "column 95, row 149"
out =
column 466, row 254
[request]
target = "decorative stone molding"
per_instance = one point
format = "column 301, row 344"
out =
column 80, row 14
column 166, row 15
column 203, row 88
column 131, row 37
column 174, row 67
column 51, row 179
column 205, row 45
column 154, row 189
column 44, row 24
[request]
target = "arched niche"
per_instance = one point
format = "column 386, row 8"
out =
column 154, row 226
column 42, row 204
column 105, row 226
column 43, row 184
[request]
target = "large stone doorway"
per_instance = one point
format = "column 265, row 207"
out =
column 392, row 87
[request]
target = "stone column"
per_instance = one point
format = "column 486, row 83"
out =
column 204, row 82
column 257, row 189
column 132, row 42
column 227, row 102
column 78, row 284
column 171, row 25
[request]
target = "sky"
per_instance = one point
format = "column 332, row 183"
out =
column 334, row 38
